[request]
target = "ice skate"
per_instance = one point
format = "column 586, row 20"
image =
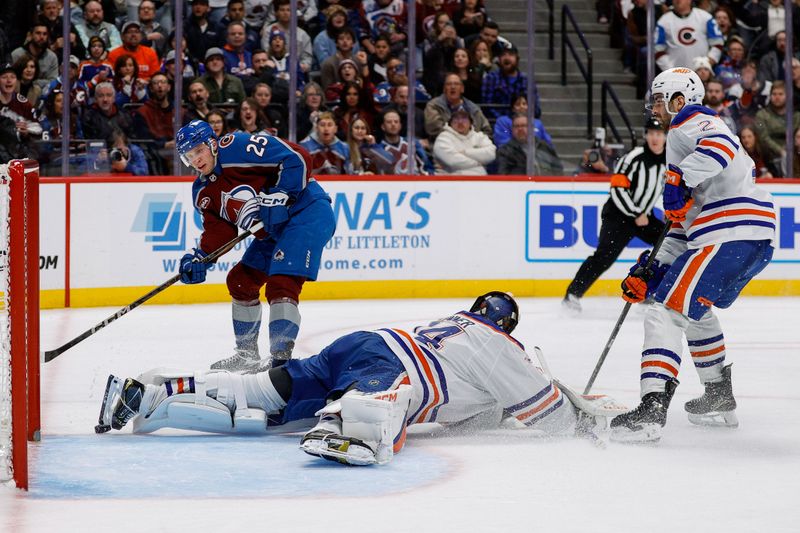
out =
column 717, row 406
column 241, row 361
column 572, row 304
column 338, row 448
column 121, row 402
column 644, row 424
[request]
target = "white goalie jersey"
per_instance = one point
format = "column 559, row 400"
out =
column 462, row 366
column 728, row 206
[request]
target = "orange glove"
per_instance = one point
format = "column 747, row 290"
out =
column 679, row 215
column 634, row 289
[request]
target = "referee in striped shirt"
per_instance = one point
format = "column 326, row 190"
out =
column 635, row 187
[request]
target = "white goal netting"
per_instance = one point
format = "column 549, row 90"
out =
column 6, row 463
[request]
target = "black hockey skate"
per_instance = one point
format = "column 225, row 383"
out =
column 338, row 448
column 121, row 402
column 245, row 361
column 717, row 407
column 644, row 423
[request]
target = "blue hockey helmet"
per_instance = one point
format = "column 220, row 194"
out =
column 194, row 134
column 498, row 307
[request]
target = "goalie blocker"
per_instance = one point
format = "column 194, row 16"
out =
column 367, row 387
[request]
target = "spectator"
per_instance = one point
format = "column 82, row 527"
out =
column 217, row 10
column 237, row 13
column 396, row 71
column 397, row 147
column 481, row 63
column 279, row 59
column 36, row 46
column 383, row 16
column 78, row 93
column 715, row 100
column 751, row 95
column 702, row 67
column 50, row 125
column 500, row 86
column 439, row 110
column 154, row 34
column 770, row 67
column 324, row 45
column 366, row 155
column 224, row 88
column 201, row 35
column 399, row 103
column 145, row 57
column 189, row 75
column 51, row 17
column 512, row 157
column 256, row 15
column 198, row 108
column 154, row 119
column 471, row 78
column 461, row 150
column 503, row 126
column 238, row 61
column 264, row 73
column 27, row 70
column 345, row 41
column 729, row 70
column 130, row 88
column 355, row 104
column 438, row 57
column 329, row 155
column 634, row 58
column 469, row 18
column 796, row 82
column 96, row 69
column 311, row 105
column 95, row 25
column 378, row 60
column 796, row 159
column 124, row 157
column 767, row 164
column 348, row 72
column 490, row 34
column 216, row 119
column 307, row 13
column 685, row 33
column 103, row 117
column 771, row 121
column 283, row 13
column 441, row 24
column 726, row 22
column 276, row 123
column 249, row 118
column 15, row 106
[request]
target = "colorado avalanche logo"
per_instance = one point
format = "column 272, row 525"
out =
column 226, row 140
column 240, row 206
column 686, row 36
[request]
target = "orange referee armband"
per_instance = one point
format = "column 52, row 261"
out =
column 620, row 180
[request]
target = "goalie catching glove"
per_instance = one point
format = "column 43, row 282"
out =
column 677, row 195
column 642, row 280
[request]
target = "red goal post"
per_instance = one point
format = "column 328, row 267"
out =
column 19, row 318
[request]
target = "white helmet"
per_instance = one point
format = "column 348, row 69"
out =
column 677, row 80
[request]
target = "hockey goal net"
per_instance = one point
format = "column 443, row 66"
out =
column 19, row 318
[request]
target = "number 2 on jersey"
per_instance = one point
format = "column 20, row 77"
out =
column 258, row 144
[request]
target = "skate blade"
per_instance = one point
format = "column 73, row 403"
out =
column 344, row 453
column 647, row 434
column 112, row 393
column 727, row 419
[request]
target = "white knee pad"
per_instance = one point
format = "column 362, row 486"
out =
column 226, row 412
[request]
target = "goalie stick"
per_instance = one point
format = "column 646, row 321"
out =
column 624, row 314
column 210, row 258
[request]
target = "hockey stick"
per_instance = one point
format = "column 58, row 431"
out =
column 52, row 354
column 624, row 313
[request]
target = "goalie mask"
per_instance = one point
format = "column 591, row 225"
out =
column 193, row 135
column 673, row 82
column 499, row 308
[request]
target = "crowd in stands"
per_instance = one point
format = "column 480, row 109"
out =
column 351, row 79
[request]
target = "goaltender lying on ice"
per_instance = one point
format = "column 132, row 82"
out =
column 365, row 388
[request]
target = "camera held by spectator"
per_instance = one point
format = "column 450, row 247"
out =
column 595, row 155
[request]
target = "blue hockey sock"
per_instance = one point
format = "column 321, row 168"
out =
column 284, row 325
column 246, row 324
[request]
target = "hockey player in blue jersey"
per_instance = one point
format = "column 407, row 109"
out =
column 245, row 178
column 365, row 388
column 722, row 233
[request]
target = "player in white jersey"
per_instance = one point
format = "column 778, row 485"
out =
column 366, row 387
column 686, row 33
column 722, row 233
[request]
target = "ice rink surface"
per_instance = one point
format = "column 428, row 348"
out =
column 695, row 480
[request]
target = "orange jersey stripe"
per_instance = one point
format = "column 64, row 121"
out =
column 679, row 294
column 541, row 406
column 428, row 373
column 706, row 142
column 731, row 213
column 709, row 352
column 661, row 364
column 401, row 441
